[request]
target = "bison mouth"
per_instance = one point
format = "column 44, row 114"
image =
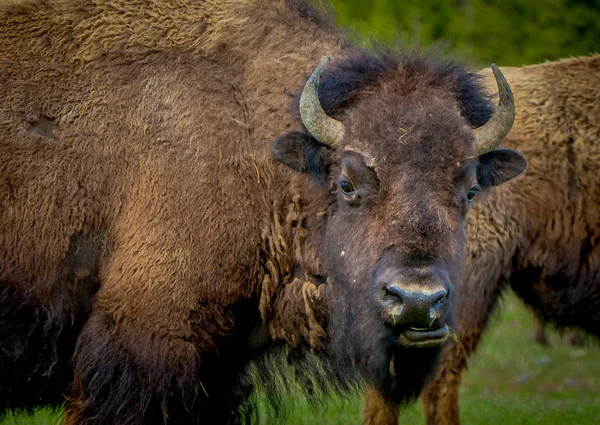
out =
column 421, row 338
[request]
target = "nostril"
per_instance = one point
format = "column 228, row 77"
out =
column 438, row 299
column 440, row 295
column 395, row 291
column 437, row 306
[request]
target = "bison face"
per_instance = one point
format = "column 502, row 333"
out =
column 396, row 180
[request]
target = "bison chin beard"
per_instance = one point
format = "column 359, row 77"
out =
column 362, row 344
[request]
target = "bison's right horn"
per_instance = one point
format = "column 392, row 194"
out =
column 325, row 129
column 491, row 134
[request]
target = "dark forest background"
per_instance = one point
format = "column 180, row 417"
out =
column 507, row 32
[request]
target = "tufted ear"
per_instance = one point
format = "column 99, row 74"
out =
column 303, row 154
column 499, row 166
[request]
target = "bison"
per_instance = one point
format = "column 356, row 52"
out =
column 539, row 235
column 170, row 210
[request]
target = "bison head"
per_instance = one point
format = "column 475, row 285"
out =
column 390, row 183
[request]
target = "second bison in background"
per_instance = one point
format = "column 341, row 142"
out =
column 539, row 235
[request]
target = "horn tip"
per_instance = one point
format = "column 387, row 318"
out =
column 503, row 86
column 496, row 71
column 322, row 65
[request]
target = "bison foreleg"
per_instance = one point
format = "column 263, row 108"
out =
column 379, row 410
column 440, row 397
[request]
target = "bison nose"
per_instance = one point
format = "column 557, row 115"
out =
column 415, row 306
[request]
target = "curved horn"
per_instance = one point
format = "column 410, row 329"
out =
column 323, row 128
column 489, row 135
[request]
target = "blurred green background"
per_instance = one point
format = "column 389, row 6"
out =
column 507, row 32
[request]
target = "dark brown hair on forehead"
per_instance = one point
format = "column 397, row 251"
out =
column 342, row 83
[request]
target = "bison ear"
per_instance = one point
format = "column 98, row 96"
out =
column 304, row 154
column 499, row 166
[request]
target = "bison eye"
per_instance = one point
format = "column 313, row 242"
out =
column 471, row 193
column 347, row 187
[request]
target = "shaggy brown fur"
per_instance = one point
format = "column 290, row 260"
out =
column 147, row 232
column 539, row 235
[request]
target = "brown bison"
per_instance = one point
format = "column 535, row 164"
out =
column 165, row 203
column 539, row 235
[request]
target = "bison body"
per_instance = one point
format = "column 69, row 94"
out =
column 154, row 242
column 538, row 235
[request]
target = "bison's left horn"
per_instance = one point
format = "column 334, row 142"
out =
column 491, row 134
column 325, row 129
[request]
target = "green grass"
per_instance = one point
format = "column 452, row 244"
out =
column 40, row 417
column 512, row 380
